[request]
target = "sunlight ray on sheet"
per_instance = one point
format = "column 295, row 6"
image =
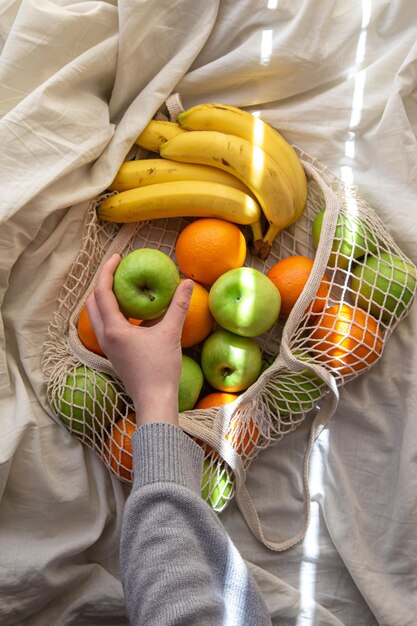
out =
column 360, row 50
column 359, row 78
column 366, row 13
column 266, row 46
column 357, row 100
column 350, row 146
column 346, row 174
column 311, row 545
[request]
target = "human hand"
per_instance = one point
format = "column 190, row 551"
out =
column 147, row 358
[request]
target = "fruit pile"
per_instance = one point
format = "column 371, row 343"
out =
column 236, row 183
column 231, row 305
column 217, row 161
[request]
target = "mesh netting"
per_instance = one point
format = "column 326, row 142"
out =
column 325, row 342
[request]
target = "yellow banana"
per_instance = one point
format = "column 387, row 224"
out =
column 180, row 199
column 151, row 171
column 156, row 133
column 247, row 162
column 235, row 121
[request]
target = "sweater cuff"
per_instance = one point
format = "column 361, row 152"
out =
column 165, row 453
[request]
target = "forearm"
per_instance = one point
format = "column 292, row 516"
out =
column 156, row 403
column 178, row 564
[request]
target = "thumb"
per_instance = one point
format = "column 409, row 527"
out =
column 178, row 308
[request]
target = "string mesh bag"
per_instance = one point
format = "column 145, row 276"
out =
column 325, row 342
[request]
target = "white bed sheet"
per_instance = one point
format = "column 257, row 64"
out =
column 78, row 81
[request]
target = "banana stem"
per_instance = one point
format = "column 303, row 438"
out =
column 256, row 236
column 263, row 250
column 256, row 230
column 264, row 247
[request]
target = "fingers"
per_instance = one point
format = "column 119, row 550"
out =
column 178, row 308
column 94, row 315
column 105, row 299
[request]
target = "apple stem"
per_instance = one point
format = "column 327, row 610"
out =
column 149, row 294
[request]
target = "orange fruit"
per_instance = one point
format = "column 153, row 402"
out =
column 86, row 333
column 290, row 276
column 209, row 247
column 198, row 322
column 88, row 336
column 133, row 321
column 242, row 440
column 215, row 399
column 119, row 446
column 346, row 339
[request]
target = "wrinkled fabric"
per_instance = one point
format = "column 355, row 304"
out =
column 78, row 82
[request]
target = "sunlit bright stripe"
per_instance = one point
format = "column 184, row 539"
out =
column 357, row 101
column 352, row 209
column 307, row 587
column 258, row 131
column 257, row 163
column 366, row 13
column 346, row 174
column 311, row 546
column 350, row 146
column 272, row 4
column 358, row 91
column 360, row 49
column 257, row 140
column 266, row 46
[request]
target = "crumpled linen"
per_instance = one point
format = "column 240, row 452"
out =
column 78, row 82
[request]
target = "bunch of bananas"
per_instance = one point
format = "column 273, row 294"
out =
column 217, row 161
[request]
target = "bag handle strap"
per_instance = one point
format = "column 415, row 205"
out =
column 245, row 502
column 174, row 105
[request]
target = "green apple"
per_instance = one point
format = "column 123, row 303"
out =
column 294, row 392
column 352, row 239
column 144, row 283
column 191, row 382
column 245, row 301
column 88, row 401
column 230, row 362
column 384, row 285
column 217, row 484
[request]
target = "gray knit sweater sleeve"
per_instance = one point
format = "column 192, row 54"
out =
column 178, row 565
